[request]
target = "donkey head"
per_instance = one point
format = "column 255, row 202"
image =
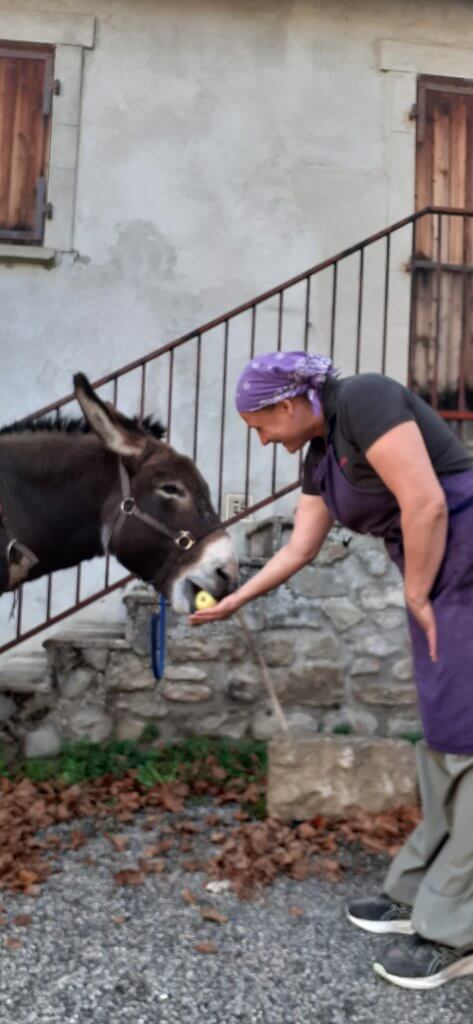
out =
column 158, row 520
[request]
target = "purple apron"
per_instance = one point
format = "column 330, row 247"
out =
column 446, row 687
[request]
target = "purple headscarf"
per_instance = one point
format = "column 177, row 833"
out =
column 271, row 378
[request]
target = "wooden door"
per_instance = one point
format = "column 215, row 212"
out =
column 441, row 362
column 26, row 82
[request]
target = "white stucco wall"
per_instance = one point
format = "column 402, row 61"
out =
column 224, row 147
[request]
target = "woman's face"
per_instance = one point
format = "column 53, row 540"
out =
column 291, row 423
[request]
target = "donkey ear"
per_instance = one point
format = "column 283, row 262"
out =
column 118, row 433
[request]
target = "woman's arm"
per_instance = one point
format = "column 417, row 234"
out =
column 401, row 460
column 311, row 526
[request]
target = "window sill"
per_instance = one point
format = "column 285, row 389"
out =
column 26, row 254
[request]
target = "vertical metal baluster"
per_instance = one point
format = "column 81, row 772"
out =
column 222, row 420
column 334, row 310
column 412, row 310
column 435, row 397
column 275, row 447
column 142, row 392
column 78, row 582
column 248, row 431
column 386, row 303
column 170, row 386
column 197, row 395
column 307, row 314
column 466, row 287
column 107, row 555
column 360, row 309
column 49, row 597
column 19, row 612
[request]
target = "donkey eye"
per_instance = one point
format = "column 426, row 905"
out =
column 171, row 491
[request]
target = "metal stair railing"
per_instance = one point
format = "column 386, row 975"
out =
column 360, row 303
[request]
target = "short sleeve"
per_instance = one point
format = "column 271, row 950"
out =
column 371, row 405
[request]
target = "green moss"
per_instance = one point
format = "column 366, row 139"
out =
column 79, row 762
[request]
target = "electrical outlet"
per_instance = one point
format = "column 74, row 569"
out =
column 235, row 504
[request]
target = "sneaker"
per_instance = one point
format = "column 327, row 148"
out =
column 380, row 915
column 416, row 963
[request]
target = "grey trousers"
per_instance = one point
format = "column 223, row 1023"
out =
column 433, row 872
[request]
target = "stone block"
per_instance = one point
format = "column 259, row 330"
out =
column 362, row 722
column 332, row 551
column 244, row 686
column 319, row 582
column 95, row 658
column 265, row 724
column 376, row 646
column 374, row 559
column 316, row 684
column 186, row 693
column 25, row 674
column 90, row 723
column 210, row 725
column 317, row 645
column 128, row 728
column 126, row 671
column 184, row 674
column 378, row 598
column 401, row 726
column 390, row 618
column 368, row 692
column 403, row 669
column 43, row 741
column 268, row 535
column 146, row 704
column 76, row 682
column 8, row 708
column 208, row 643
column 277, row 648
column 342, row 613
column 365, row 667
column 310, row 775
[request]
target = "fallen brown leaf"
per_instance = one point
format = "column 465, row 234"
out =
column 129, row 876
column 118, row 841
column 22, row 920
column 13, row 943
column 188, row 896
column 211, row 914
column 206, row 947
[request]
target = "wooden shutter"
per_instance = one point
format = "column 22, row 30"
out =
column 26, row 83
column 441, row 363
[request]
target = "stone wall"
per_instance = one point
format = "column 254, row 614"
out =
column 334, row 638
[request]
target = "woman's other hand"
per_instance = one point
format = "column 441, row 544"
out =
column 423, row 611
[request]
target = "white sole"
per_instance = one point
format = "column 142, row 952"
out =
column 455, row 970
column 382, row 927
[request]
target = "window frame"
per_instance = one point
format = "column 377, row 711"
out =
column 68, row 36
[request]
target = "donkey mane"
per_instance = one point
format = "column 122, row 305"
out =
column 78, row 425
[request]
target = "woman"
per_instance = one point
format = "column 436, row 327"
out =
column 381, row 461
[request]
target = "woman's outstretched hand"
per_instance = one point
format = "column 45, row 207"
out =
column 423, row 613
column 222, row 610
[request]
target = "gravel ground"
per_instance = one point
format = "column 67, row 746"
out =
column 76, row 965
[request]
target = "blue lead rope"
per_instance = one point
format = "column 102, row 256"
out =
column 158, row 639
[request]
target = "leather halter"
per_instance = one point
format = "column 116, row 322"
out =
column 183, row 540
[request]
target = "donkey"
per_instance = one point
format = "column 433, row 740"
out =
column 110, row 485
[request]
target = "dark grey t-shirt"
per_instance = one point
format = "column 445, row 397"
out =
column 359, row 410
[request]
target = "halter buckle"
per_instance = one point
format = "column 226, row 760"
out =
column 184, row 540
column 127, row 506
